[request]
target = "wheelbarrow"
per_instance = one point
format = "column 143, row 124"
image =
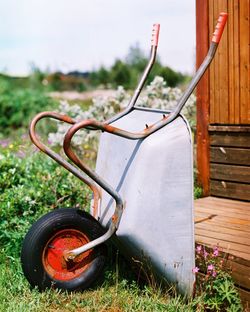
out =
column 142, row 196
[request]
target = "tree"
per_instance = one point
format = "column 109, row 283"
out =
column 136, row 58
column 103, row 76
column 120, row 74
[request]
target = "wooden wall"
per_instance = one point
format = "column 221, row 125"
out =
column 230, row 70
column 230, row 162
column 223, row 100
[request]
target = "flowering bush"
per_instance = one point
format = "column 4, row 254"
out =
column 215, row 283
column 102, row 109
column 159, row 96
column 156, row 95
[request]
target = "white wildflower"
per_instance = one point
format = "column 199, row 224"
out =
column 157, row 95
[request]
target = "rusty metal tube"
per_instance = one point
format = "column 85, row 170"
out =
column 154, row 44
column 182, row 101
column 94, row 176
column 70, row 255
column 114, row 222
column 138, row 88
column 200, row 72
column 45, row 149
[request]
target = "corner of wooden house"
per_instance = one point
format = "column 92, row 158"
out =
column 223, row 138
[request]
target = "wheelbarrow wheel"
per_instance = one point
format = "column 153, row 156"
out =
column 42, row 253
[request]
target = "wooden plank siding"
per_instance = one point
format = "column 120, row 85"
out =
column 230, row 155
column 229, row 75
column 230, row 173
column 230, row 162
column 232, row 139
column 244, row 30
column 230, row 189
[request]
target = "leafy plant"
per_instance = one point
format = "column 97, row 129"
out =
column 30, row 187
column 17, row 107
column 215, row 285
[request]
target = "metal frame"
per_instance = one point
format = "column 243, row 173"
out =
column 93, row 179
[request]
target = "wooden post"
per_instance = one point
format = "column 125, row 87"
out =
column 202, row 45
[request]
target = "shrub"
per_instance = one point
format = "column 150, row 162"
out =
column 17, row 107
column 156, row 95
column 30, row 187
column 101, row 109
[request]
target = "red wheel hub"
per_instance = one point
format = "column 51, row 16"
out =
column 53, row 260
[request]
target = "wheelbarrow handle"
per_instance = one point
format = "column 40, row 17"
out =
column 219, row 27
column 155, row 35
column 200, row 72
column 203, row 67
column 115, row 220
column 45, row 149
column 154, row 44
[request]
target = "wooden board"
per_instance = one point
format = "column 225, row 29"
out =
column 232, row 248
column 227, row 223
column 244, row 29
column 234, row 204
column 231, row 72
column 213, row 64
column 230, row 190
column 228, row 155
column 229, row 239
column 235, row 65
column 239, row 233
column 221, row 79
column 229, row 128
column 245, row 298
column 230, row 139
column 230, row 173
column 224, row 206
column 240, row 273
column 239, row 217
column 202, row 95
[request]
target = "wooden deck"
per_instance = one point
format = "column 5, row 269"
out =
column 226, row 223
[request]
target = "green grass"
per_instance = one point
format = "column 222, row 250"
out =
column 117, row 292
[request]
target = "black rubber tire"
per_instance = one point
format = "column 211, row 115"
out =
column 42, row 232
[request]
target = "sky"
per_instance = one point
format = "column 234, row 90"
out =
column 82, row 35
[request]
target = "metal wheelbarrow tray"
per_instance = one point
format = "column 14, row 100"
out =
column 142, row 196
column 154, row 176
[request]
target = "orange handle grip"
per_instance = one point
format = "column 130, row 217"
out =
column 155, row 35
column 219, row 27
